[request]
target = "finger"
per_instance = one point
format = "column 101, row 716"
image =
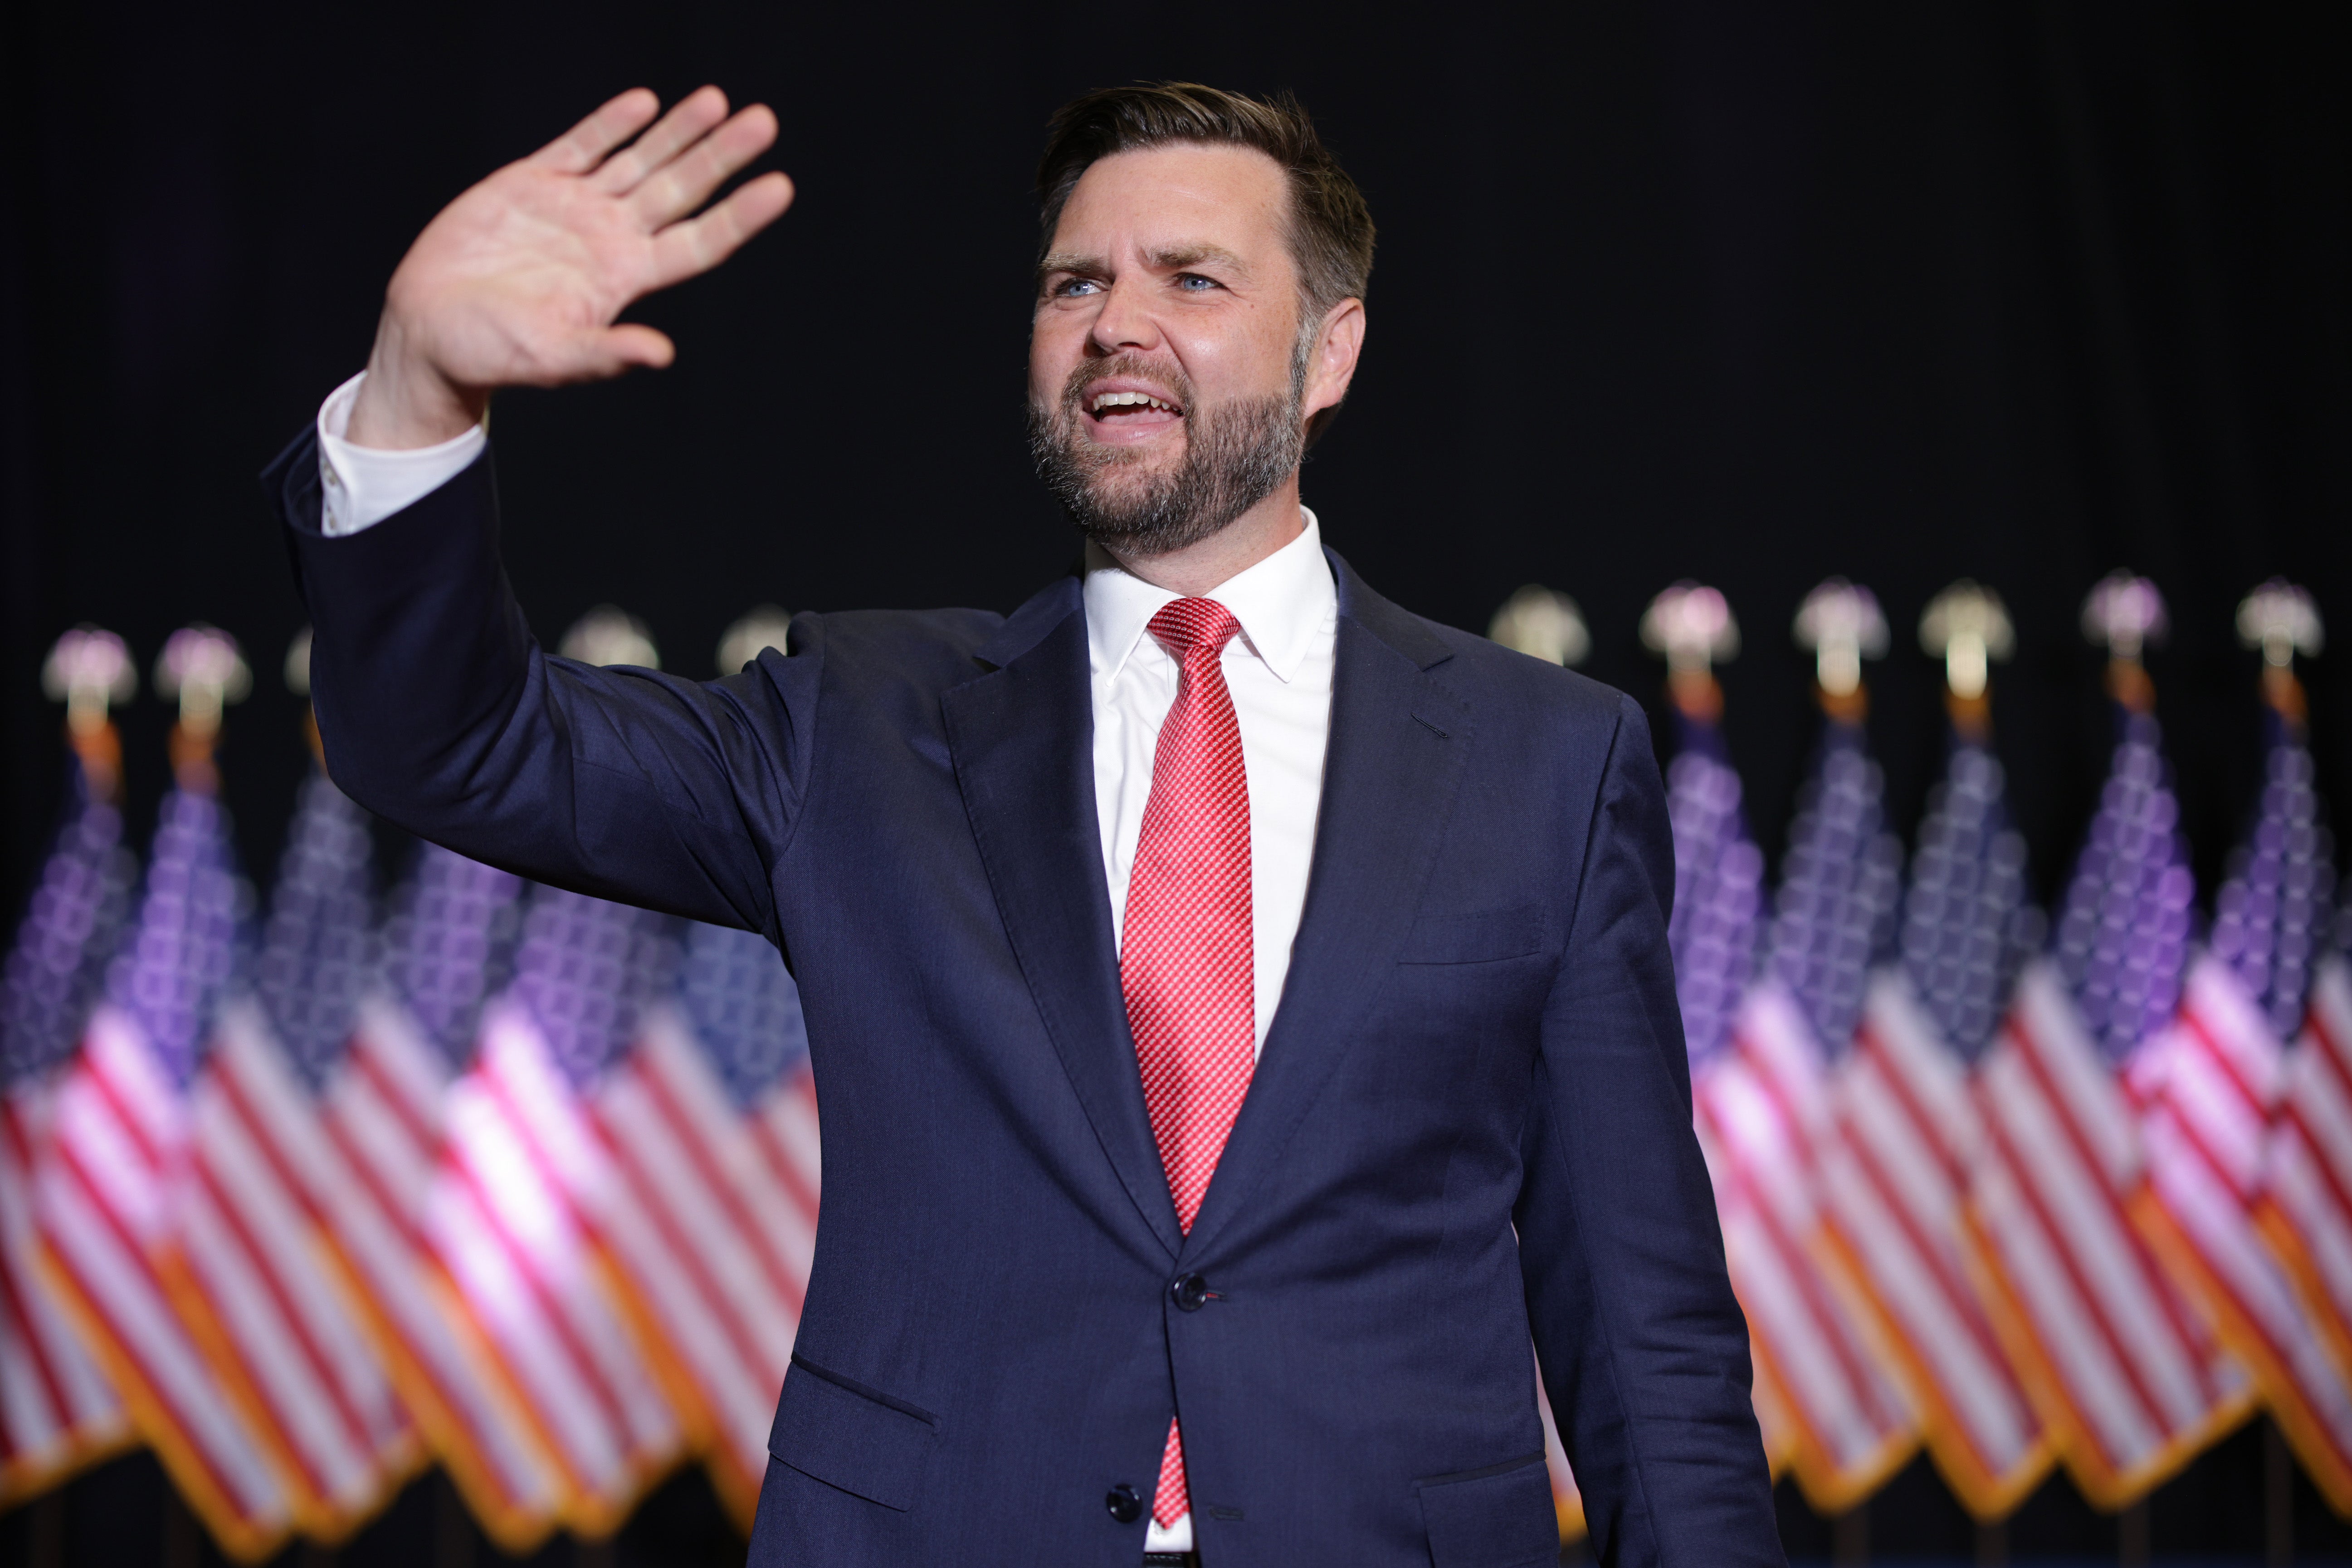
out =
column 600, row 354
column 631, row 343
column 687, row 121
column 583, row 146
column 686, row 183
column 684, row 249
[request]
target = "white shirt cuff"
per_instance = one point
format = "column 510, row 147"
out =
column 364, row 485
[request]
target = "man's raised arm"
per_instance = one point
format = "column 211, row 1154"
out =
column 437, row 708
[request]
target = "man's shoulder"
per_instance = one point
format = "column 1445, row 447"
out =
column 916, row 633
column 1484, row 672
column 1487, row 668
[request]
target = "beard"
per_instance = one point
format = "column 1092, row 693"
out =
column 1236, row 455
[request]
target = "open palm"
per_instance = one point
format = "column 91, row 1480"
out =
column 519, row 282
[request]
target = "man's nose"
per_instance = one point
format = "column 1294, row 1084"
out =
column 1125, row 321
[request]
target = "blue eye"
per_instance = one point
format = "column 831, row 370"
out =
column 1192, row 282
column 1070, row 287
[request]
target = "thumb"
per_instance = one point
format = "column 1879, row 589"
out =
column 633, row 344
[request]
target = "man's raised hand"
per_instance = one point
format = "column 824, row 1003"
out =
column 519, row 282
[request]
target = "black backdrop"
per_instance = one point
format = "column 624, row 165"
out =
column 1749, row 292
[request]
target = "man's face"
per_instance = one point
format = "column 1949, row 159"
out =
column 1167, row 377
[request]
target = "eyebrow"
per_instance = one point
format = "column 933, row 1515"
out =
column 1167, row 259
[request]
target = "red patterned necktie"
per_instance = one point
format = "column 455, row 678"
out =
column 1186, row 961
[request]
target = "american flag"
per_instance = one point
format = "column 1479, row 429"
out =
column 541, row 1237
column 2132, row 1381
column 2214, row 1083
column 1897, row 1173
column 1719, row 886
column 445, row 947
column 2305, row 1209
column 276, row 1318
column 693, row 1119
column 109, row 1174
column 1718, row 883
column 1765, row 1110
column 57, row 1410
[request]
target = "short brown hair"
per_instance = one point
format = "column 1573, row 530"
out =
column 1331, row 227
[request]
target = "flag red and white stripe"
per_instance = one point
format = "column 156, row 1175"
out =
column 373, row 1191
column 107, row 1211
column 2130, row 1378
column 1895, row 1185
column 278, row 1327
column 2304, row 1210
column 2216, row 1080
column 714, row 1245
column 524, row 1207
column 1763, row 1109
column 57, row 1410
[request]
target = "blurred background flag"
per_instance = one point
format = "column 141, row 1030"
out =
column 259, row 1157
column 57, row 1410
column 447, row 945
column 527, row 1197
column 1905, row 1125
column 728, row 1198
column 2306, row 1207
column 2272, row 922
column 1718, row 879
column 1719, row 870
column 2130, row 1378
column 677, row 1115
column 1547, row 624
column 107, row 1208
column 1764, row 1104
column 2212, row 1082
column 561, row 1271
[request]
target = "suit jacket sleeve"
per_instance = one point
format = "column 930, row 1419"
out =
column 438, row 710
column 1643, row 1346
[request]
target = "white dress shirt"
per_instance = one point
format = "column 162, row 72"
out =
column 1279, row 670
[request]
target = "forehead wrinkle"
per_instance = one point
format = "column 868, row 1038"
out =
column 1173, row 258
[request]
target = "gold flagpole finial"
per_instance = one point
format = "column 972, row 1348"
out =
column 89, row 670
column 1544, row 624
column 2125, row 615
column 1691, row 625
column 1968, row 629
column 761, row 627
column 2280, row 619
column 1841, row 624
column 202, row 667
column 607, row 635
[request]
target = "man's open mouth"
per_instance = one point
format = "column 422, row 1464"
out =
column 1132, row 407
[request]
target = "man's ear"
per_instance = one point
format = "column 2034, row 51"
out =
column 1331, row 366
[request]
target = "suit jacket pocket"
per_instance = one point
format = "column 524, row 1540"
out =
column 1500, row 1517
column 851, row 1437
column 1477, row 938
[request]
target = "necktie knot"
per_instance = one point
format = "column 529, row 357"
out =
column 1187, row 626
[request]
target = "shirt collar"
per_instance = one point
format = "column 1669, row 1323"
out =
column 1281, row 602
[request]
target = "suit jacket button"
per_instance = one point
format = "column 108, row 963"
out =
column 1125, row 1505
column 1190, row 1293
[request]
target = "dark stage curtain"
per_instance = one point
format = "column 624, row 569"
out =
column 1751, row 293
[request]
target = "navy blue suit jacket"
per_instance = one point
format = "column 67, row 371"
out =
column 1470, row 1127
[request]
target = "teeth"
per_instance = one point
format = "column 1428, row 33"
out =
column 1125, row 399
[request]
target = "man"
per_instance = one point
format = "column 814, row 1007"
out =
column 1207, row 863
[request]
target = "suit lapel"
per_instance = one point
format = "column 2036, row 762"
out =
column 1390, row 771
column 1022, row 739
